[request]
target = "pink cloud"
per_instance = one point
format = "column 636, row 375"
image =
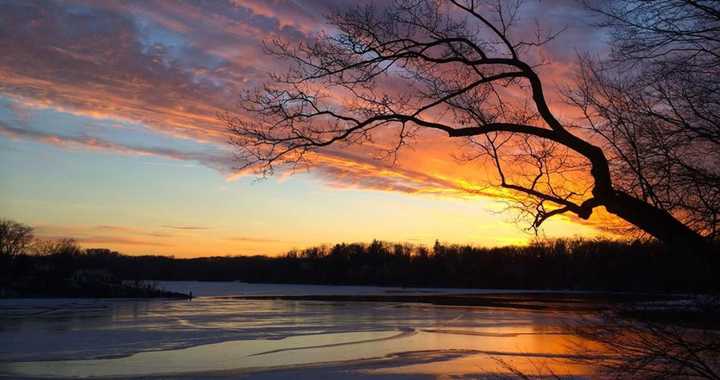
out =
column 172, row 66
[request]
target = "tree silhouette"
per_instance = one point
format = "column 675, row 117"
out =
column 453, row 67
column 15, row 238
column 655, row 105
column 635, row 343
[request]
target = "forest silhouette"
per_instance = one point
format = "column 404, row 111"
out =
column 56, row 267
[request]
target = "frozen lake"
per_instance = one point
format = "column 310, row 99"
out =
column 216, row 335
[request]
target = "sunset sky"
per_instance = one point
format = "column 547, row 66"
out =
column 109, row 134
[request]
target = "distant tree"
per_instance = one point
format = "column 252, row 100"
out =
column 63, row 256
column 454, row 67
column 59, row 247
column 15, row 238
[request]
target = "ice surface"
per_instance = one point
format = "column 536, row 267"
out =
column 81, row 338
column 224, row 289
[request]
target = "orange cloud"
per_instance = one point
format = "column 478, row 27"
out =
column 174, row 66
column 85, row 142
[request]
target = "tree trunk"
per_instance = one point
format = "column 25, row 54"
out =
column 655, row 221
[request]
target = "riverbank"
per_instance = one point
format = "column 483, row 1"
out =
column 86, row 287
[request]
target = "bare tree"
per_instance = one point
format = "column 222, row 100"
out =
column 59, row 247
column 453, row 67
column 15, row 238
column 655, row 104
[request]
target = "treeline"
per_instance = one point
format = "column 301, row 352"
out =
column 558, row 264
column 30, row 267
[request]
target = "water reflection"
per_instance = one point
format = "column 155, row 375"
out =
column 131, row 338
column 483, row 352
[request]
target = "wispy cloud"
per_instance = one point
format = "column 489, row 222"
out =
column 173, row 66
column 187, row 228
column 117, row 240
column 221, row 163
column 247, row 239
column 108, row 235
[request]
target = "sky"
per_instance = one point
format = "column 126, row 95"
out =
column 109, row 134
